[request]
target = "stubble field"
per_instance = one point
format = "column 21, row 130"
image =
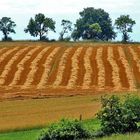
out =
column 57, row 69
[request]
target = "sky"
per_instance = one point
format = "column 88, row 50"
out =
column 21, row 11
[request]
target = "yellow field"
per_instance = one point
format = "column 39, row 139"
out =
column 36, row 70
column 19, row 114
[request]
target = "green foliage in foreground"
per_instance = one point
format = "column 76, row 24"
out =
column 92, row 124
column 32, row 135
column 65, row 130
column 119, row 117
column 116, row 117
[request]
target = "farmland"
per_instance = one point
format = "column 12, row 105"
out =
column 59, row 69
column 43, row 82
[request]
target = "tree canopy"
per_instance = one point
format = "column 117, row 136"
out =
column 94, row 31
column 40, row 26
column 7, row 27
column 90, row 16
column 124, row 24
column 67, row 26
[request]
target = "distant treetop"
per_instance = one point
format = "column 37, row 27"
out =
column 90, row 16
column 39, row 26
column 124, row 24
column 7, row 26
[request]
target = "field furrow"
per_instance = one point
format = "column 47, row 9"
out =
column 33, row 68
column 128, row 71
column 3, row 50
column 137, row 50
column 135, row 57
column 88, row 69
column 101, row 69
column 40, row 66
column 17, row 80
column 6, row 56
column 115, row 70
column 135, row 63
column 13, row 67
column 122, row 73
column 81, row 70
column 55, row 66
column 8, row 66
column 108, row 68
column 61, row 67
column 68, row 67
column 47, row 68
column 94, row 75
column 74, row 71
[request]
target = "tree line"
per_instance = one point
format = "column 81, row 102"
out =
column 93, row 24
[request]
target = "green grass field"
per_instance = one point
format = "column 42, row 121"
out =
column 21, row 135
column 32, row 134
column 91, row 124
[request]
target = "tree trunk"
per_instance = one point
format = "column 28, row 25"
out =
column 40, row 36
column 5, row 36
column 125, row 37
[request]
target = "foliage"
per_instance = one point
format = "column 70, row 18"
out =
column 7, row 26
column 75, row 35
column 67, row 39
column 117, row 116
column 95, row 30
column 40, row 26
column 132, row 103
column 7, row 39
column 90, row 16
column 64, row 130
column 67, row 26
column 124, row 24
column 129, row 136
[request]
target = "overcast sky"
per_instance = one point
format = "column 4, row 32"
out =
column 21, row 10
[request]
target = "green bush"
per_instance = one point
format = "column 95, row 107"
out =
column 119, row 117
column 133, row 103
column 64, row 130
column 7, row 39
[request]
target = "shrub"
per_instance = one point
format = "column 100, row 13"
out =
column 7, row 39
column 119, row 117
column 64, row 130
column 110, row 115
column 44, row 38
column 133, row 103
column 67, row 39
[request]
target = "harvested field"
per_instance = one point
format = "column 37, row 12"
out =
column 62, row 69
column 23, row 114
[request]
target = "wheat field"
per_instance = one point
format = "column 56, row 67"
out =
column 57, row 69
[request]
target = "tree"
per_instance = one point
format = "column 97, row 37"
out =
column 93, row 31
column 75, row 35
column 7, row 27
column 124, row 24
column 119, row 116
column 90, row 16
column 40, row 26
column 67, row 26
